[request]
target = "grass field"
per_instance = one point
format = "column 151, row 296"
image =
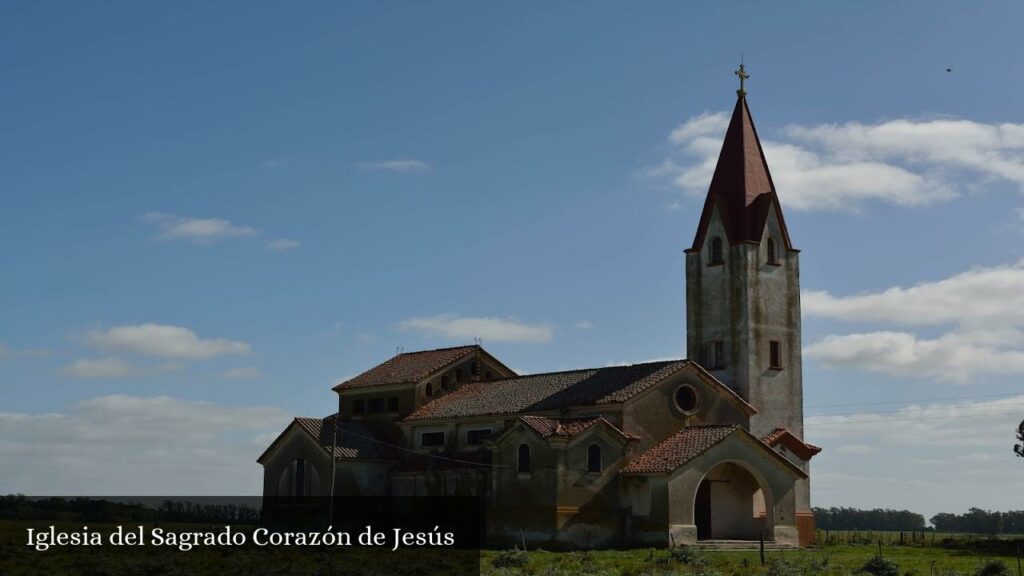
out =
column 826, row 561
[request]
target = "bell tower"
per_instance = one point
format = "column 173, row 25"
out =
column 743, row 284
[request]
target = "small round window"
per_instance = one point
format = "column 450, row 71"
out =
column 686, row 398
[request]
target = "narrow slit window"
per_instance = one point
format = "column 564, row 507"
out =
column 715, row 252
column 593, row 458
column 773, row 256
column 775, row 354
column 523, row 459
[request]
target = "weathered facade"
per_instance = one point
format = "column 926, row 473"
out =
column 661, row 453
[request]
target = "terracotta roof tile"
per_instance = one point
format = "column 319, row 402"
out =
column 678, row 449
column 741, row 186
column 551, row 391
column 783, row 436
column 408, row 367
column 567, row 427
column 356, row 440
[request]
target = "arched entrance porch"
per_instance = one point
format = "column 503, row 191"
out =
column 732, row 503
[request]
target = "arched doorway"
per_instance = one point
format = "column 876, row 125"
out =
column 731, row 504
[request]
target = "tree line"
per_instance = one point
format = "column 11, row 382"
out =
column 19, row 507
column 876, row 519
column 979, row 521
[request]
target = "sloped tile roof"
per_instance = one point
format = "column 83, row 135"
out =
column 408, row 367
column 741, row 186
column 567, row 427
column 783, row 436
column 678, row 449
column 356, row 440
column 551, row 391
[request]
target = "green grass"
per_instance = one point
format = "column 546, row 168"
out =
column 829, row 561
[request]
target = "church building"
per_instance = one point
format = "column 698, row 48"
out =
column 708, row 448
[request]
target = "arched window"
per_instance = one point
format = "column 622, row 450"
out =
column 593, row 458
column 429, row 389
column 715, row 251
column 523, row 459
column 773, row 256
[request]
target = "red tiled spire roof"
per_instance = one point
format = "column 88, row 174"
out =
column 741, row 187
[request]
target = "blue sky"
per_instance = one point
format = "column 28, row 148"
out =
column 213, row 212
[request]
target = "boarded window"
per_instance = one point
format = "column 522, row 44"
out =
column 357, row 407
column 393, row 404
column 714, row 355
column 523, row 459
column 715, row 250
column 775, row 354
column 429, row 439
column 773, row 256
column 593, row 458
column 300, row 477
column 477, row 437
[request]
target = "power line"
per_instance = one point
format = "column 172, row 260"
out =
column 935, row 399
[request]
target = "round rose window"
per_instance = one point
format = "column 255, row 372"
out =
column 686, row 399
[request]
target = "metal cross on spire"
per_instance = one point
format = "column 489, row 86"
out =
column 742, row 73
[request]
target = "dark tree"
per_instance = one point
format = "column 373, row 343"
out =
column 1019, row 448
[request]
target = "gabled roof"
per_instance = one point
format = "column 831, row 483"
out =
column 550, row 391
column 689, row 443
column 783, row 436
column 741, row 187
column 356, row 440
column 412, row 367
column 569, row 427
column 560, row 390
column 678, row 449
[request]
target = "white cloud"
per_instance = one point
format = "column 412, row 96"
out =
column 984, row 308
column 395, row 166
column 282, row 245
column 983, row 296
column 6, row 352
column 240, row 373
column 130, row 445
column 583, row 325
column 196, row 230
column 489, row 329
column 109, row 367
column 842, row 166
column 164, row 341
column 936, row 457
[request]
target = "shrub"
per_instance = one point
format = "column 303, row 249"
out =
column 992, row 568
column 510, row 559
column 879, row 566
column 782, row 567
column 683, row 554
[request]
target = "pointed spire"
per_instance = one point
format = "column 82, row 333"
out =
column 741, row 187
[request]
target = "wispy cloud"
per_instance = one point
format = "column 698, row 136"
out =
column 490, row 329
column 135, row 445
column 282, row 245
column 240, row 373
column 917, row 446
column 983, row 308
column 109, row 367
column 583, row 325
column 164, row 341
column 838, row 167
column 195, row 230
column 395, row 166
column 6, row 352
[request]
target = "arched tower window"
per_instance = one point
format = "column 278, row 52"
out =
column 593, row 458
column 715, row 252
column 523, row 459
column 773, row 255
